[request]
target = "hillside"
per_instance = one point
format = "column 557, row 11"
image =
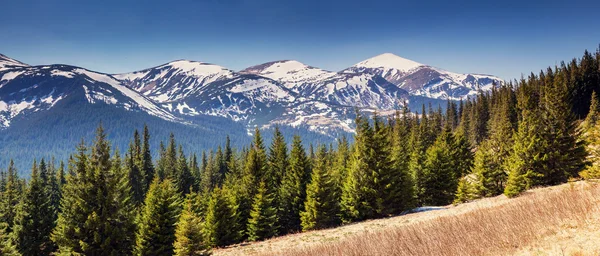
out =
column 559, row 220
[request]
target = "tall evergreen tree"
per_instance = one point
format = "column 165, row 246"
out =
column 566, row 152
column 594, row 114
column 440, row 178
column 493, row 152
column 134, row 172
column 292, row 192
column 263, row 216
column 277, row 160
column 321, row 208
column 97, row 213
column 399, row 193
column 147, row 166
column 220, row 226
column 158, row 219
column 360, row 199
column 35, row 219
column 7, row 247
column 10, row 197
column 189, row 238
column 183, row 177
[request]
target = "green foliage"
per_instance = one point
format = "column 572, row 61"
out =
column 220, row 227
column 189, row 237
column 292, row 192
column 7, row 247
column 440, row 178
column 263, row 217
column 466, row 191
column 158, row 219
column 360, row 199
column 321, row 208
column 35, row 218
column 97, row 213
column 593, row 148
column 11, row 195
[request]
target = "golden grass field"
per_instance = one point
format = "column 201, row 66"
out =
column 559, row 220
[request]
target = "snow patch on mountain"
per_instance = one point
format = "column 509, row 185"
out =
column 8, row 63
column 389, row 62
column 292, row 74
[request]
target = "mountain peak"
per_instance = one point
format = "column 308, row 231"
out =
column 289, row 72
column 8, row 62
column 389, row 60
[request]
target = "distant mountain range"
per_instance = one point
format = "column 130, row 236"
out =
column 197, row 97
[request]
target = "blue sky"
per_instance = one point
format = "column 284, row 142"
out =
column 504, row 38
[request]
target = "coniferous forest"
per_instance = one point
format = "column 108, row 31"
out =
column 538, row 131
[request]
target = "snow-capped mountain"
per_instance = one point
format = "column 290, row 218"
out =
column 294, row 75
column 424, row 80
column 190, row 88
column 281, row 92
column 8, row 63
column 27, row 90
column 175, row 80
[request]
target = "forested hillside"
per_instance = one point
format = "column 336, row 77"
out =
column 541, row 130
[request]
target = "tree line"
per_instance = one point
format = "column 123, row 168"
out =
column 538, row 131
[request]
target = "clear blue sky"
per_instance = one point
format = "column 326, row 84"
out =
column 500, row 37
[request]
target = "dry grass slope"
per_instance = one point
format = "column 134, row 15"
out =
column 561, row 220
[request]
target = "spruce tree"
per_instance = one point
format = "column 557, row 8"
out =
column 97, row 212
column 7, row 247
column 440, row 178
column 158, row 219
column 263, row 216
column 466, row 191
column 493, row 152
column 10, row 197
column 134, row 173
column 292, row 192
column 399, row 191
column 360, row 199
column 321, row 208
column 147, row 166
column 565, row 151
column 35, row 218
column 183, row 177
column 220, row 226
column 277, row 160
column 189, row 239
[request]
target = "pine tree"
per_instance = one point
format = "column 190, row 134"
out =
column 526, row 161
column 189, row 238
column 321, row 208
column 147, row 166
column 7, row 248
column 466, row 191
column 277, row 160
column 195, row 171
column 183, row 177
column 493, row 152
column 399, row 193
column 593, row 148
column 158, row 219
column 134, row 172
column 220, row 226
column 594, row 114
column 360, row 198
column 35, row 218
column 565, row 151
column 440, row 178
column 10, row 197
column 97, row 212
column 263, row 216
column 292, row 192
